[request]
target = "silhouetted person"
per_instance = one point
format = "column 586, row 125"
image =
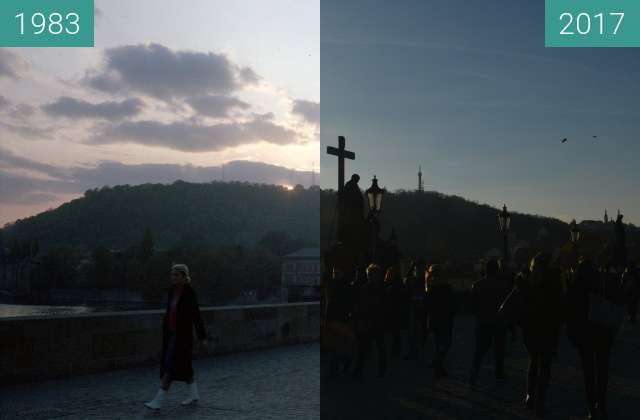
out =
column 592, row 341
column 540, row 327
column 368, row 320
column 440, row 311
column 416, row 328
column 487, row 295
column 338, row 306
column 181, row 316
column 393, row 296
column 631, row 285
column 508, row 277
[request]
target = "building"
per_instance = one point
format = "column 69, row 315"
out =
column 301, row 275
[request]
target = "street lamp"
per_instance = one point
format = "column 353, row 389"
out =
column 374, row 197
column 504, row 220
column 575, row 232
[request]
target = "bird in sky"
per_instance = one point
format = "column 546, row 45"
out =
column 564, row 140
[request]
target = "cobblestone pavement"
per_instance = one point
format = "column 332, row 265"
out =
column 281, row 383
column 409, row 390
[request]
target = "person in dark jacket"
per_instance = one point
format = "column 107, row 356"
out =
column 368, row 320
column 415, row 295
column 440, row 312
column 338, row 307
column 181, row 316
column 631, row 285
column 487, row 295
column 592, row 341
column 544, row 295
column 393, row 296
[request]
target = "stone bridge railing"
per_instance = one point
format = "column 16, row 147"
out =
column 37, row 348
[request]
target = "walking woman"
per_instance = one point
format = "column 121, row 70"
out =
column 440, row 314
column 543, row 294
column 182, row 315
column 593, row 341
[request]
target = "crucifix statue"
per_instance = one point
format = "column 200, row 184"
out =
column 342, row 154
column 350, row 201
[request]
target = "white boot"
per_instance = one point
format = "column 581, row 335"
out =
column 157, row 402
column 194, row 394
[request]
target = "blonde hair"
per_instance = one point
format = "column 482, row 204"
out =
column 182, row 269
column 432, row 276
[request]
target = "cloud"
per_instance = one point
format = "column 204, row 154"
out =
column 116, row 173
column 4, row 103
column 20, row 121
column 22, row 111
column 77, row 108
column 308, row 110
column 157, row 71
column 216, row 105
column 27, row 131
column 12, row 65
column 10, row 159
column 21, row 189
column 192, row 137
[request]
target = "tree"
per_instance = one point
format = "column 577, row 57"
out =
column 103, row 267
column 146, row 247
column 279, row 242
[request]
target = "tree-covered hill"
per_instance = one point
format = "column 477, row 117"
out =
column 434, row 225
column 182, row 213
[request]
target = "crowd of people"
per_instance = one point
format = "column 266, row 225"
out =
column 380, row 308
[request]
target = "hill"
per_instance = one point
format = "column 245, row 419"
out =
column 208, row 214
column 435, row 225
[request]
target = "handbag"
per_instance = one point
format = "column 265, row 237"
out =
column 511, row 309
column 603, row 312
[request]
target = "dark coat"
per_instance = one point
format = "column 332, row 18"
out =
column 187, row 317
column 394, row 304
column 487, row 295
column 544, row 310
column 580, row 330
column 440, row 309
column 368, row 312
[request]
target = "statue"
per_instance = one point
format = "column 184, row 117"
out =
column 619, row 247
column 351, row 223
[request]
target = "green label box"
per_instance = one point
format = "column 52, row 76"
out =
column 592, row 23
column 46, row 23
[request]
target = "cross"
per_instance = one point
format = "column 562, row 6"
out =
column 342, row 154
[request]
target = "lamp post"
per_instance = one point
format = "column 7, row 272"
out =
column 374, row 198
column 504, row 221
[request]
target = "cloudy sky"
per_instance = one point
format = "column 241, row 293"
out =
column 169, row 92
column 468, row 91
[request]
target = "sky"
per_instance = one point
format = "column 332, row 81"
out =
column 468, row 91
column 168, row 92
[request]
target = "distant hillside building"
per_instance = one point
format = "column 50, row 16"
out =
column 301, row 276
